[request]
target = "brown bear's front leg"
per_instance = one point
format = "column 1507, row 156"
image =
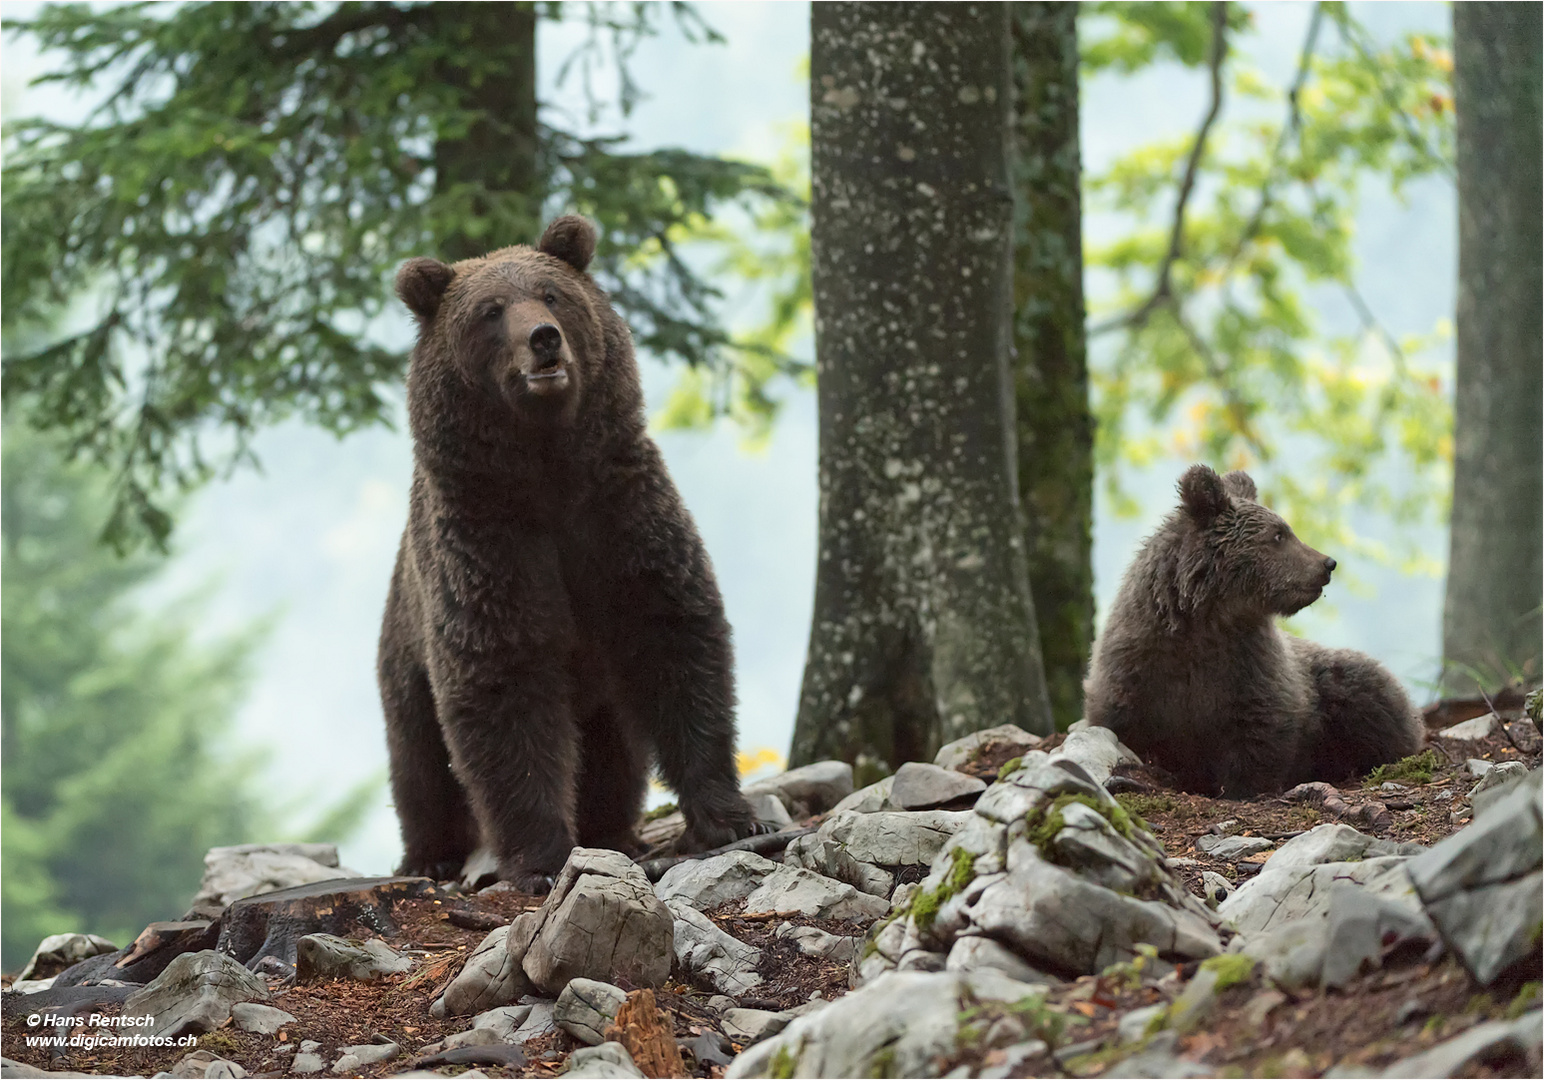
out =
column 514, row 747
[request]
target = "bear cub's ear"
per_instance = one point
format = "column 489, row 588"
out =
column 570, row 238
column 421, row 283
column 1202, row 494
column 1240, row 485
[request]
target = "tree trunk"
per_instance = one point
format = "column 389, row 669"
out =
column 1055, row 427
column 924, row 629
column 493, row 163
column 1491, row 625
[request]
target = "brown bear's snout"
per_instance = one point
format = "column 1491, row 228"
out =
column 546, row 345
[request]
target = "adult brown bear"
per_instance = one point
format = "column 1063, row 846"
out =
column 553, row 622
column 1192, row 673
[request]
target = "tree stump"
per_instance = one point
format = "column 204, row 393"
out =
column 648, row 1034
column 271, row 923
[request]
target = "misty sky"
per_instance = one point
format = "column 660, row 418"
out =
column 310, row 541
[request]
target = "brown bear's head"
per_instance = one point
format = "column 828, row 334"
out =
column 526, row 326
column 1241, row 554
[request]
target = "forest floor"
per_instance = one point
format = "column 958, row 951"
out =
column 1402, row 1009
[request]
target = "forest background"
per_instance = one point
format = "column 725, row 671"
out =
column 271, row 599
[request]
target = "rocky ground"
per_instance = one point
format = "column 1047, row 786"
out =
column 1023, row 907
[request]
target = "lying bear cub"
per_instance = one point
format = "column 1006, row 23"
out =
column 553, row 623
column 1192, row 673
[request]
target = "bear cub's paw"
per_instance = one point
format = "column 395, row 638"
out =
column 434, row 869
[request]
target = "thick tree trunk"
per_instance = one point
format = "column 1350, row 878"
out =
column 1050, row 375
column 1491, row 626
column 493, row 163
column 924, row 629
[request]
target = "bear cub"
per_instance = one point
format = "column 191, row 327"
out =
column 1192, row 673
column 553, row 624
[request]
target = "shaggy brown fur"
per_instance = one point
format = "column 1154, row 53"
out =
column 1192, row 673
column 553, row 621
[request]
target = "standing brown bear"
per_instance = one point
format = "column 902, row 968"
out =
column 553, row 621
column 1192, row 673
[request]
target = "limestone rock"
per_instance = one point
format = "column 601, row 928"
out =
column 538, row 1022
column 705, row 950
column 919, row 786
column 1281, row 894
column 194, row 994
column 1230, row 848
column 1333, row 844
column 1482, row 801
column 769, row 810
column 271, row 925
column 868, row 800
column 326, row 956
column 231, row 873
column 490, row 977
column 813, row 788
column 1098, row 751
column 1481, row 727
column 262, row 1019
column 792, row 888
column 748, row 1026
column 707, row 883
column 354, row 1058
column 1355, row 930
column 962, row 751
column 502, row 1022
column 601, row 921
column 608, row 1061
column 1481, row 886
column 972, row 952
column 1480, row 1044
column 862, row 849
column 203, row 1063
column 813, row 941
column 901, row 1024
column 57, row 952
column 586, row 1008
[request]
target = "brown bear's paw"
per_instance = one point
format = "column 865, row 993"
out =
column 532, row 883
column 436, row 869
column 707, row 829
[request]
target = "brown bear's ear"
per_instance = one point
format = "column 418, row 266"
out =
column 1240, row 485
column 570, row 238
column 421, row 283
column 1202, row 494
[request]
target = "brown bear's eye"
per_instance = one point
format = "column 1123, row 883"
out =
column 551, row 299
column 1280, row 536
column 493, row 311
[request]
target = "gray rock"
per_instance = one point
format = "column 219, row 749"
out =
column 1016, row 1060
column 816, row 787
column 503, row 1022
column 203, row 1063
column 33, row 986
column 586, row 1008
column 1135, row 1025
column 539, row 1021
column 1478, row 767
column 472, row 1036
column 1098, row 751
column 792, row 888
column 1350, row 936
column 704, row 949
column 608, row 1061
column 262, row 1019
column 919, row 786
column 1497, row 775
column 1481, row 727
column 324, row 956
column 869, row 800
column 861, row 848
column 1230, row 827
column 1480, row 1044
column 1230, row 848
column 310, row 1046
column 901, row 1024
column 749, row 1026
column 1481, row 802
column 1481, row 886
column 1334, row 844
column 231, row 873
column 1278, row 895
column 355, row 1058
column 769, row 810
column 972, row 952
column 194, row 994
column 490, row 977
column 59, row 951
column 1159, row 1058
column 307, row 1063
column 17, row 1069
column 1216, row 888
column 707, row 883
column 961, row 751
column 601, row 921
column 813, row 941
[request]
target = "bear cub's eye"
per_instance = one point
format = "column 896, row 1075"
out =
column 1280, row 536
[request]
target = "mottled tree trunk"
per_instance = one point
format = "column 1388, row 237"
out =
column 1491, row 626
column 496, row 156
column 924, row 628
column 1050, row 374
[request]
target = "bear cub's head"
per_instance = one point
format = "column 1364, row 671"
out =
column 1245, row 555
column 523, row 324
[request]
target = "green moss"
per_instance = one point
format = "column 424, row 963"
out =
column 783, row 1063
column 1433, row 1024
column 219, row 1042
column 660, row 811
column 1230, row 969
column 1009, row 767
column 926, row 903
column 1128, row 973
column 1415, row 769
column 1038, row 1019
column 1045, row 822
column 883, row 1063
column 1527, row 997
column 1140, row 806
